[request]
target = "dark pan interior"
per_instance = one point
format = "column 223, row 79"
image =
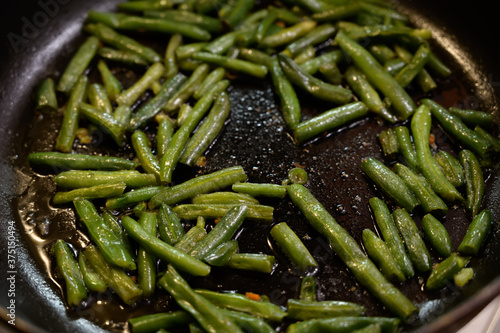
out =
column 464, row 38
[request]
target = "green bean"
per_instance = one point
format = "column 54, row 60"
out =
column 192, row 211
column 394, row 66
column 495, row 143
column 211, row 24
column 225, row 198
column 455, row 127
column 208, row 131
column 222, row 232
column 406, row 147
column 186, row 51
column 171, row 67
column 216, row 75
column 209, row 317
column 220, row 255
column 121, row 42
column 289, row 102
column 474, row 181
column 260, row 189
column 116, row 278
column 148, row 161
column 264, row 25
column 123, row 57
column 98, row 97
column 122, row 114
column 190, row 239
column 70, row 271
column 473, row 117
column 93, row 192
column 337, row 13
column 146, row 262
column 307, row 289
column 382, row 53
column 372, row 328
column 237, row 65
column 256, row 56
column 67, row 132
column 153, row 322
column 222, row 44
column 112, row 224
column 92, row 280
column 330, row 72
column 445, row 271
column 329, row 120
column 297, row 176
column 390, row 183
column 351, row 254
column 132, row 197
column 181, row 136
column 381, row 11
column 415, row 66
column 288, row 35
column 391, row 236
column 417, row 251
column 311, row 84
column 248, row 323
column 87, row 178
column 162, row 250
column 304, row 310
column 141, row 6
column 389, row 143
column 163, row 136
column 312, row 66
column 367, row 94
column 105, row 121
column 79, row 161
column 421, row 126
column 314, row 6
column 238, row 302
column 108, row 243
column 437, row 235
column 463, row 276
column 182, row 115
column 317, row 35
column 239, row 9
column 451, row 167
column 382, row 80
column 424, row 79
column 436, row 65
column 344, row 324
column 380, row 254
column 182, row 95
column 131, row 22
column 78, row 64
column 139, row 209
column 169, row 225
column 129, row 96
column 421, row 188
column 476, row 233
column 153, row 106
column 292, row 246
column 46, row 95
column 258, row 262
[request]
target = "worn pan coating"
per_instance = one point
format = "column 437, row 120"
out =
column 38, row 37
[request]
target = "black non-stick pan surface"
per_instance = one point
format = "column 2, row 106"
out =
column 38, row 38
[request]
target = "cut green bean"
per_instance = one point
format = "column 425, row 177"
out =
column 171, row 67
column 463, row 276
column 289, row 34
column 239, row 302
column 260, row 189
column 476, row 233
column 236, row 65
column 314, row 86
column 389, row 143
column 193, row 236
column 162, row 250
column 146, row 262
column 437, row 235
column 382, row 53
column 211, row 79
column 445, row 271
column 115, row 277
column 344, row 324
column 220, row 255
column 495, row 143
column 423, row 77
column 380, row 254
column 417, row 250
column 46, row 95
column 129, row 96
column 239, row 10
column 112, row 224
column 132, row 22
column 141, row 145
column 337, row 12
column 317, row 35
column 225, row 198
column 105, row 121
column 304, row 310
column 248, row 323
column 108, row 243
column 122, row 57
column 132, row 197
column 154, row 322
column 307, row 289
column 187, row 90
column 92, row 280
column 298, row 176
column 141, row 6
column 163, row 136
column 312, row 66
column 414, row 66
column 257, row 262
column 429, row 200
column 192, row 211
column 351, row 254
column 98, row 97
column 90, row 193
column 201, row 309
column 421, row 123
column 473, row 117
column 211, row 24
column 292, row 246
column 331, row 73
column 122, row 114
column 80, row 161
column 67, row 132
column 329, row 120
column 406, row 147
column 451, row 167
column 87, row 178
column 390, row 183
column 382, row 80
column 69, row 269
column 474, row 181
column 78, row 64
column 169, row 225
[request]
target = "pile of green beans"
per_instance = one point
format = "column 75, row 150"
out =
column 358, row 58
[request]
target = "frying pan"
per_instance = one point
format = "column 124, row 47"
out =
column 39, row 37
